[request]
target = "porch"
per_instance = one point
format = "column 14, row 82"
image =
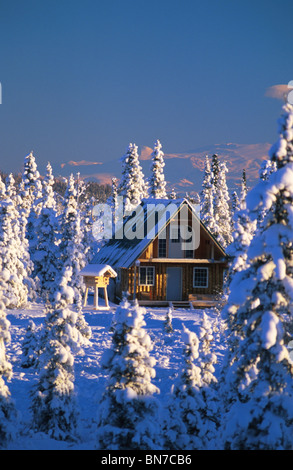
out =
column 193, row 302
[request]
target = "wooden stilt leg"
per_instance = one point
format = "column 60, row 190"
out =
column 85, row 296
column 106, row 297
column 96, row 298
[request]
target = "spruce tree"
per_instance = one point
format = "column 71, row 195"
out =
column 128, row 411
column 215, row 169
column 172, row 194
column 54, row 405
column 157, row 183
column 28, row 189
column 8, row 415
column 31, row 193
column 22, row 244
column 244, row 189
column 221, row 208
column 191, row 419
column 29, row 184
column 258, row 371
column 11, row 267
column 132, row 185
column 267, row 168
column 71, row 246
column 235, row 203
column 168, row 321
column 46, row 255
column 30, row 346
column 207, row 199
column 113, row 201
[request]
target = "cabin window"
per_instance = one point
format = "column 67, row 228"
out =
column 162, row 248
column 200, row 277
column 188, row 253
column 147, row 276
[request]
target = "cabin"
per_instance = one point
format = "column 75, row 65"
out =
column 164, row 255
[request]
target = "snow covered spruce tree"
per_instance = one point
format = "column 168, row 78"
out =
column 258, row 386
column 207, row 199
column 190, row 422
column 54, row 405
column 22, row 245
column 30, row 346
column 8, row 415
column 235, row 203
column 12, row 269
column 113, row 200
column 168, row 327
column 243, row 232
column 267, row 168
column 29, row 187
column 132, row 186
column 215, row 169
column 157, row 183
column 207, row 358
column 47, row 255
column 71, row 246
column 221, row 207
column 244, row 188
column 128, row 410
column 31, row 193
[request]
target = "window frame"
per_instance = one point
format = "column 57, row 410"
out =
column 161, row 241
column 152, row 283
column 201, row 268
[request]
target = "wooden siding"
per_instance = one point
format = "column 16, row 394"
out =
column 207, row 249
column 158, row 291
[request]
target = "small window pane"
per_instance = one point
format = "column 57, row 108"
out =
column 147, row 276
column 188, row 253
column 200, row 277
column 162, row 248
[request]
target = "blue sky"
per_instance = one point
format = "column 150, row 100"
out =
column 82, row 79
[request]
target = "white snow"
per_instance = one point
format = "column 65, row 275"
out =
column 97, row 270
column 90, row 375
column 269, row 329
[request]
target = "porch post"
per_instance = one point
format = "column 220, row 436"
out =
column 136, row 265
column 134, row 282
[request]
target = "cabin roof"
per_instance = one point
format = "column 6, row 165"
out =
column 125, row 251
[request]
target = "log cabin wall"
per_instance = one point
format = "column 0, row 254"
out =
column 158, row 291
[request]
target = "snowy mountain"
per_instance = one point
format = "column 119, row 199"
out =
column 183, row 171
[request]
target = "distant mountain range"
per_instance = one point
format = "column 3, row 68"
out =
column 183, row 171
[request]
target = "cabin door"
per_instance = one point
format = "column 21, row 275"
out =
column 174, row 284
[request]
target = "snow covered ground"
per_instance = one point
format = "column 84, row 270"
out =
column 89, row 376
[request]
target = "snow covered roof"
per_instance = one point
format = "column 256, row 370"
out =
column 98, row 270
column 125, row 251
